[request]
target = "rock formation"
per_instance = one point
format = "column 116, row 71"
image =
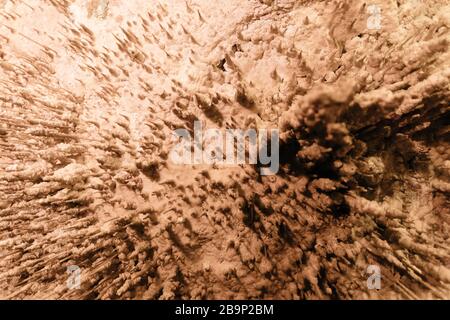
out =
column 91, row 92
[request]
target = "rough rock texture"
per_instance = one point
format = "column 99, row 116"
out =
column 90, row 92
